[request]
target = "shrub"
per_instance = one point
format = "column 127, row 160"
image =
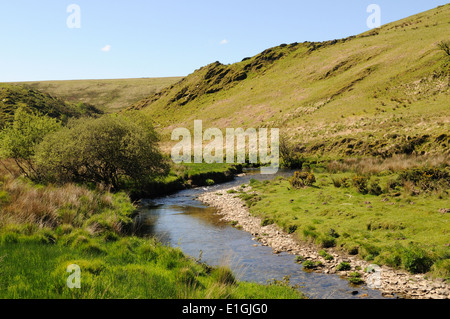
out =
column 445, row 47
column 302, row 179
column 267, row 221
column 392, row 185
column 336, row 182
column 290, row 158
column 341, row 182
column 309, row 264
column 352, row 249
column 441, row 269
column 292, row 229
column 325, row 255
column 103, row 150
column 360, row 183
column 343, row 266
column 19, row 140
column 355, row 278
column 366, row 249
column 299, row 259
column 416, row 260
column 326, row 241
column 309, row 231
column 374, row 189
column 389, row 258
column 425, row 178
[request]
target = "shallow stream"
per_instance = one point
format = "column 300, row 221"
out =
column 182, row 221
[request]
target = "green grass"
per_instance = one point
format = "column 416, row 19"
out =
column 395, row 228
column 44, row 229
column 129, row 268
column 109, row 95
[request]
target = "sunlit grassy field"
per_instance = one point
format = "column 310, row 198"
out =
column 372, row 215
column 109, row 95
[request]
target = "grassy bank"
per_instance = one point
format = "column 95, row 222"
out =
column 129, row 267
column 44, row 229
column 390, row 217
column 187, row 175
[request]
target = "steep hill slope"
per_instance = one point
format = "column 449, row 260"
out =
column 108, row 95
column 381, row 92
column 15, row 96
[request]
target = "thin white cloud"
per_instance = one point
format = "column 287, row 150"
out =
column 224, row 41
column 106, row 48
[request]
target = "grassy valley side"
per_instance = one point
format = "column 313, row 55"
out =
column 379, row 93
column 108, row 95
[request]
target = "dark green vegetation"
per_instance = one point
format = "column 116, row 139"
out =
column 188, row 175
column 109, row 150
column 355, row 278
column 13, row 97
column 393, row 212
column 108, row 95
column 19, row 139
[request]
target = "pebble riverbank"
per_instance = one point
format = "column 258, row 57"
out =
column 390, row 281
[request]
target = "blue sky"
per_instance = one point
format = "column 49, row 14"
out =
column 144, row 38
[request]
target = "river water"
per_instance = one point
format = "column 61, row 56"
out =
column 182, row 221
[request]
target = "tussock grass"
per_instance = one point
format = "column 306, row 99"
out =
column 48, row 206
column 44, row 229
column 398, row 227
column 376, row 165
column 130, row 268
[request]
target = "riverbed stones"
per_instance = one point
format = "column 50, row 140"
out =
column 391, row 281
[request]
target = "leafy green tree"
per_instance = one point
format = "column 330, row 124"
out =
column 107, row 150
column 18, row 141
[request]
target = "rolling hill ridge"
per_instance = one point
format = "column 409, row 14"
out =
column 382, row 92
column 110, row 95
column 14, row 96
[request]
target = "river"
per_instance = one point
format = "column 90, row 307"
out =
column 182, row 221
